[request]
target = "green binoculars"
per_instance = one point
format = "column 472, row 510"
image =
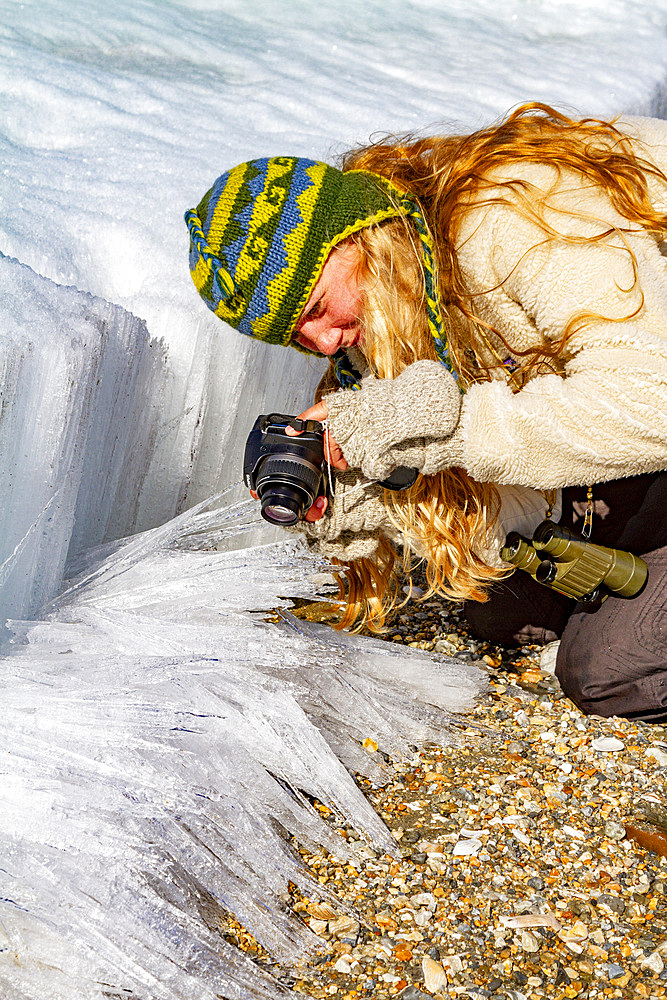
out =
column 559, row 559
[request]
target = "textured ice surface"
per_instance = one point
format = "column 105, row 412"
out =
column 80, row 386
column 157, row 740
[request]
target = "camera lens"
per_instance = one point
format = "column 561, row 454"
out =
column 285, row 471
column 279, row 515
column 282, row 505
column 286, row 488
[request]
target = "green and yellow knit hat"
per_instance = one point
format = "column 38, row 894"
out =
column 262, row 234
column 260, row 237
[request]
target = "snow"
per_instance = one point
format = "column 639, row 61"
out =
column 157, row 732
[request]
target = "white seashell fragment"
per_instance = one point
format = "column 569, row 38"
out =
column 571, row 831
column 658, row 755
column 466, row 848
column 607, row 744
column 435, row 977
column 532, row 920
column 423, row 917
column 465, row 832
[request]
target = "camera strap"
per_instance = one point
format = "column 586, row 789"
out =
column 327, row 455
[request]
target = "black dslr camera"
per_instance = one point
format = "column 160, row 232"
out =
column 287, row 473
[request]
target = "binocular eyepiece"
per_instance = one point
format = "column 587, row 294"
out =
column 287, row 471
column 559, row 559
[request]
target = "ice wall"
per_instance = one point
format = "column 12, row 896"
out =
column 156, row 739
column 80, row 386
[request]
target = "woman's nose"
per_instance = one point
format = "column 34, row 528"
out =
column 325, row 338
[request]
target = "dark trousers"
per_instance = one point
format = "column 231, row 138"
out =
column 611, row 661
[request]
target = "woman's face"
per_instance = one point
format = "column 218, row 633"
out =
column 330, row 319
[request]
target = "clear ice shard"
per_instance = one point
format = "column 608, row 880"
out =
column 161, row 742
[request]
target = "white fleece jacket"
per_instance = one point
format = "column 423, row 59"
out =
column 604, row 418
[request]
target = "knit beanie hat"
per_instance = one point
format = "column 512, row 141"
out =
column 261, row 235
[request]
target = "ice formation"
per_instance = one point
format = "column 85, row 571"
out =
column 158, row 739
column 81, row 384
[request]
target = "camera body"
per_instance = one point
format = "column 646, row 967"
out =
column 288, row 472
column 284, row 471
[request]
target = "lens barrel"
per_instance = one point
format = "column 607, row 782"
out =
column 287, row 486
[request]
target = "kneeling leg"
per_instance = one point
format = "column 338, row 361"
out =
column 614, row 661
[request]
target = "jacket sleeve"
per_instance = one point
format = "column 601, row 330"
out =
column 408, row 420
column 604, row 418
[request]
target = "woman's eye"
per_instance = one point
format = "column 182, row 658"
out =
column 315, row 311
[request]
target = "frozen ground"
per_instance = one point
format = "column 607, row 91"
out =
column 156, row 733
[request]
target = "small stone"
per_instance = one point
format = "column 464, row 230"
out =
column 442, row 646
column 529, row 942
column 343, row 966
column 549, row 736
column 452, row 964
column 614, row 830
column 412, row 993
column 530, row 676
column 424, row 899
column 607, row 744
column 578, row 932
column 653, row 963
column 435, row 977
column 658, row 755
column 347, row 926
column 370, row 744
column 402, row 952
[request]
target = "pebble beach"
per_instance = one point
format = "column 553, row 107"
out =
column 523, row 864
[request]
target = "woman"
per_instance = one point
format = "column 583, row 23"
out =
column 494, row 306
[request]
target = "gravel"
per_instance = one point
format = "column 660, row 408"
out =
column 517, row 879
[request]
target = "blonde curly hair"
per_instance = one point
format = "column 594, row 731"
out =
column 445, row 518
